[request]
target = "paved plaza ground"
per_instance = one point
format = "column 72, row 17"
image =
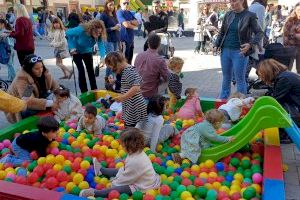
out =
column 201, row 71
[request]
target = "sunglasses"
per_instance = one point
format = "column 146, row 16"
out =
column 35, row 59
column 126, row 3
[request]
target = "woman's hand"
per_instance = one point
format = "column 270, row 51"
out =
column 245, row 48
column 120, row 98
column 297, row 36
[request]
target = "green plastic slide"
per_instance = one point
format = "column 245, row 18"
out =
column 265, row 113
column 140, row 4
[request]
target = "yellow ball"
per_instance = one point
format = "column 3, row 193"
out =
column 78, row 178
column 84, row 165
column 151, row 192
column 209, row 163
column 119, row 165
column 26, row 131
column 190, row 198
column 71, row 130
column 195, row 168
column 170, row 163
column 50, row 159
column 170, row 179
column 163, row 177
column 208, row 186
column 72, row 174
column 203, row 175
column 224, row 189
column 238, row 177
column 110, row 153
column 59, row 159
column 41, row 160
column 151, row 157
column 246, row 158
column 57, row 167
column 121, row 153
column 75, row 144
column 235, row 188
column 83, row 185
column 236, row 182
column 1, row 166
column 97, row 147
column 185, row 194
column 85, row 141
column 70, row 186
column 103, row 181
column 213, row 175
column 185, row 174
column 177, row 147
column 114, row 144
column 257, row 187
column 67, row 162
column 186, row 161
column 216, row 185
column 176, row 165
column 159, row 148
column 54, row 144
column 103, row 149
column 80, row 138
column 2, row 174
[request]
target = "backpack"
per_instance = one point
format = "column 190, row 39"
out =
column 5, row 52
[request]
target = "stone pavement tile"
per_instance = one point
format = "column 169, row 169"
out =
column 288, row 152
column 291, row 177
column 292, row 192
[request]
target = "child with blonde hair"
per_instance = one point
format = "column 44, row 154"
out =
column 136, row 175
column 57, row 38
column 175, row 65
column 191, row 108
column 233, row 108
column 66, row 106
column 200, row 136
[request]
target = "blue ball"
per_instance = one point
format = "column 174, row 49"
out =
column 22, row 172
column 229, row 178
column 93, row 184
column 65, row 141
column 60, row 189
column 169, row 158
column 178, row 171
column 89, row 177
column 220, row 166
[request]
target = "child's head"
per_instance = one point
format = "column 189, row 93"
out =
column 61, row 93
column 90, row 114
column 190, row 92
column 215, row 117
column 175, row 64
column 156, row 105
column 48, row 126
column 4, row 25
column 237, row 95
column 57, row 24
column 132, row 140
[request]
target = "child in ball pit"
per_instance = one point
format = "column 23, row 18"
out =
column 136, row 175
column 175, row 65
column 153, row 127
column 37, row 141
column 191, row 107
column 91, row 121
column 200, row 136
column 232, row 110
column 66, row 106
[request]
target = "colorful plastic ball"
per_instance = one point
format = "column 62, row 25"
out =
column 235, row 162
column 249, row 193
column 51, row 183
column 137, row 195
column 75, row 190
column 257, row 178
column 22, row 172
column 185, row 194
column 246, row 164
column 165, row 190
column 85, row 165
column 77, row 178
column 180, row 189
column 124, row 196
column 33, row 177
column 192, row 189
column 114, row 194
column 220, row 166
column 212, row 194
column 70, row 186
column 6, row 143
column 209, row 163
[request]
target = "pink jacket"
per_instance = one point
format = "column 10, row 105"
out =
column 190, row 108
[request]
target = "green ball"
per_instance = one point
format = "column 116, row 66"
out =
column 69, row 148
column 90, row 143
column 226, row 183
column 178, row 179
column 185, row 165
column 174, row 194
column 222, row 173
column 89, row 159
column 75, row 134
column 246, row 164
column 230, row 173
column 67, row 169
column 8, row 180
column 202, row 191
column 174, row 185
column 166, row 198
column 249, row 194
column 103, row 163
column 212, row 194
column 99, row 198
column 75, row 190
column 248, row 180
column 169, row 171
column 180, row 189
column 235, row 162
column 124, row 196
column 159, row 197
column 192, row 189
column 137, row 195
column 192, row 178
column 248, row 173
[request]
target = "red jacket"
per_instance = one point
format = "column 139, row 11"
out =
column 23, row 35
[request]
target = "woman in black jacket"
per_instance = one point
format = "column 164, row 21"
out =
column 286, row 86
column 237, row 42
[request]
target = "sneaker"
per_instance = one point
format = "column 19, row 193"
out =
column 97, row 167
column 87, row 192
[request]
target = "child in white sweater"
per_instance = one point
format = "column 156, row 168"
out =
column 66, row 106
column 137, row 174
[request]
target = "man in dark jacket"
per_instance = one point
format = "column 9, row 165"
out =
column 73, row 19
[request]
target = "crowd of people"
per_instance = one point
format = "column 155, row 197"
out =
column 140, row 86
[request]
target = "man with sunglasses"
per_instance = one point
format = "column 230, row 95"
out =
column 128, row 24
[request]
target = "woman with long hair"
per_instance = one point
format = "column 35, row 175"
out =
column 23, row 33
column 239, row 35
column 81, row 42
column 291, row 33
column 58, row 40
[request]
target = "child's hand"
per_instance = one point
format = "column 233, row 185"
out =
column 231, row 139
column 55, row 106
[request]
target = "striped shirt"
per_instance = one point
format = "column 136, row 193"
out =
column 175, row 86
column 135, row 108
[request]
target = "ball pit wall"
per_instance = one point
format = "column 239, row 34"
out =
column 17, row 191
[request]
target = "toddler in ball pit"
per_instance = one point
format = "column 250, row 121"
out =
column 66, row 106
column 200, row 136
column 191, row 107
column 91, row 121
column 136, row 175
column 37, row 141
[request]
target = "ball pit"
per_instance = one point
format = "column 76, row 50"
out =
column 68, row 166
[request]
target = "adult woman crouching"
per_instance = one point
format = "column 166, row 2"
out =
column 286, row 85
column 81, row 42
column 36, row 78
column 237, row 42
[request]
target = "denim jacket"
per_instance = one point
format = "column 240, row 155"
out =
column 247, row 26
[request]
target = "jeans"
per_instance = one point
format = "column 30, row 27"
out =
column 42, row 28
column 87, row 58
column 139, row 31
column 111, row 46
column 129, row 46
column 20, row 156
column 10, row 67
column 233, row 61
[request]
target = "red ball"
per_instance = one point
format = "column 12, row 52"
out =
column 220, row 179
column 222, row 195
column 110, row 160
column 204, row 169
column 25, row 164
column 34, row 155
column 111, row 165
column 165, row 190
column 236, row 196
column 186, row 182
column 82, row 171
column 148, row 197
column 114, row 194
column 51, row 173
column 211, row 180
column 51, row 183
column 95, row 152
column 158, row 160
column 47, row 166
column 75, row 166
column 21, row 180
column 62, row 176
column 100, row 187
column 198, row 182
column 77, row 154
column 33, row 177
column 39, row 170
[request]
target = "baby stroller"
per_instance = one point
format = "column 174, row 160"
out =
column 207, row 35
column 166, row 48
column 277, row 51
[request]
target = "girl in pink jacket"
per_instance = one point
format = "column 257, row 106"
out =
column 191, row 107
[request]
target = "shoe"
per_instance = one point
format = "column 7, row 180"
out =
column 97, row 167
column 87, row 192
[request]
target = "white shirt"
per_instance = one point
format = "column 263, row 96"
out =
column 96, row 127
column 234, row 107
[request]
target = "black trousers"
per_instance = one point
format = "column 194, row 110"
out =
column 23, row 54
column 87, row 58
column 129, row 46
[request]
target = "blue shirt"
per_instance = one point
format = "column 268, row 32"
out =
column 83, row 43
column 232, row 37
column 126, row 34
column 110, row 21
